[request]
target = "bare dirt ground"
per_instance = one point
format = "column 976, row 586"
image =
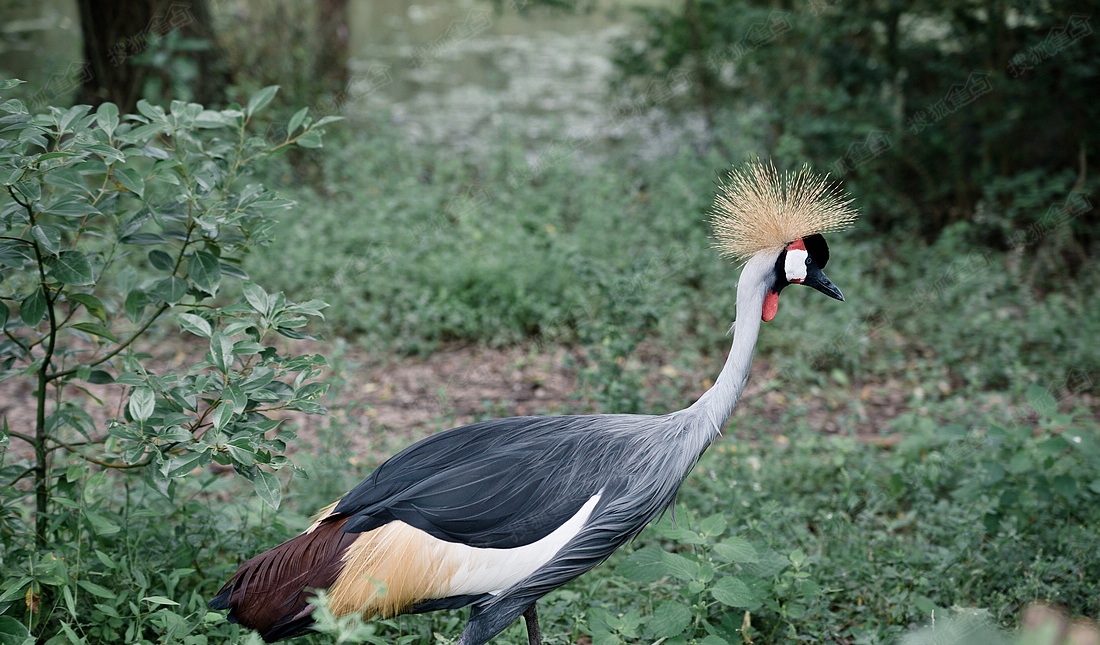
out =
column 386, row 400
column 383, row 403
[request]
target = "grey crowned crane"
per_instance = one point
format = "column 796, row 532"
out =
column 496, row 514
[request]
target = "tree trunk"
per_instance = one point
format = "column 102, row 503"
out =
column 331, row 64
column 328, row 86
column 117, row 33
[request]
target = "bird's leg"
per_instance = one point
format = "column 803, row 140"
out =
column 531, row 617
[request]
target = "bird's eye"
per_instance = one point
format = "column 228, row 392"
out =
column 809, row 261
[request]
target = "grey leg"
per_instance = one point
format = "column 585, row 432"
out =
column 531, row 617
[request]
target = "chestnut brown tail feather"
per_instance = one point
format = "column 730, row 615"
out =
column 270, row 593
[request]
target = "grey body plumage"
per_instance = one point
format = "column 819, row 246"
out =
column 650, row 459
column 574, row 487
column 635, row 463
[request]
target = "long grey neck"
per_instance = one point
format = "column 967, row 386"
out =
column 716, row 404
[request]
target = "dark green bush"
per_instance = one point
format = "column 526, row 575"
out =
column 933, row 113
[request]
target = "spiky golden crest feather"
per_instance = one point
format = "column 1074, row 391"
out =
column 757, row 209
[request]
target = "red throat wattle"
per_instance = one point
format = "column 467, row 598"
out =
column 771, row 306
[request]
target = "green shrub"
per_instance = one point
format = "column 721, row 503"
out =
column 109, row 226
column 932, row 113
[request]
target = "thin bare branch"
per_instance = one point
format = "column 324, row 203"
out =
column 100, row 462
column 23, row 437
column 116, row 351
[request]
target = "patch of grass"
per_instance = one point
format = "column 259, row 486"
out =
column 413, row 249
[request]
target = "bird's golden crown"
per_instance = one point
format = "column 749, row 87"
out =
column 757, row 209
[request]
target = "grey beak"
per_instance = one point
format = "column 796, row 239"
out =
column 817, row 279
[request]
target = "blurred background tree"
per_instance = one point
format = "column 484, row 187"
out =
column 151, row 49
column 945, row 113
column 186, row 50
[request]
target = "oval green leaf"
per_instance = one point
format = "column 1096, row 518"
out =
column 296, row 120
column 135, row 304
column 197, row 325
column 72, row 208
column 48, row 238
column 268, row 488
column 680, row 567
column 737, row 550
column 142, row 403
column 144, row 239
column 95, row 329
column 131, row 180
column 170, row 289
column 733, row 592
column 205, row 271
column 670, row 619
column 96, row 590
column 223, row 414
column 71, row 267
column 33, row 308
column 235, row 397
column 68, row 178
column 221, row 351
column 1041, row 400
column 161, row 260
column 311, row 139
column 257, row 297
column 260, row 99
column 91, row 304
column 713, row 526
column 107, row 117
column 12, row 631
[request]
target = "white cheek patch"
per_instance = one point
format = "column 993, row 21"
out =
column 795, row 265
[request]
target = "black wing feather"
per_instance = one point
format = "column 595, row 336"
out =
column 496, row 484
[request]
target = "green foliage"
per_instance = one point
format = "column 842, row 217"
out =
column 492, row 249
column 932, row 112
column 109, row 225
column 1029, row 473
column 627, row 313
column 613, row 256
column 168, row 65
column 141, row 225
column 716, row 585
column 823, row 538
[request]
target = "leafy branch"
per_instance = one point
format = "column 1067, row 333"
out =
column 110, row 226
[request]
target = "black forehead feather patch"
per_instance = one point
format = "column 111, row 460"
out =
column 817, row 248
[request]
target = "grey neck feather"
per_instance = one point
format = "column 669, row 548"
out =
column 716, row 404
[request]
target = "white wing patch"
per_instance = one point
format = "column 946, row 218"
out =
column 396, row 565
column 795, row 265
column 494, row 570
